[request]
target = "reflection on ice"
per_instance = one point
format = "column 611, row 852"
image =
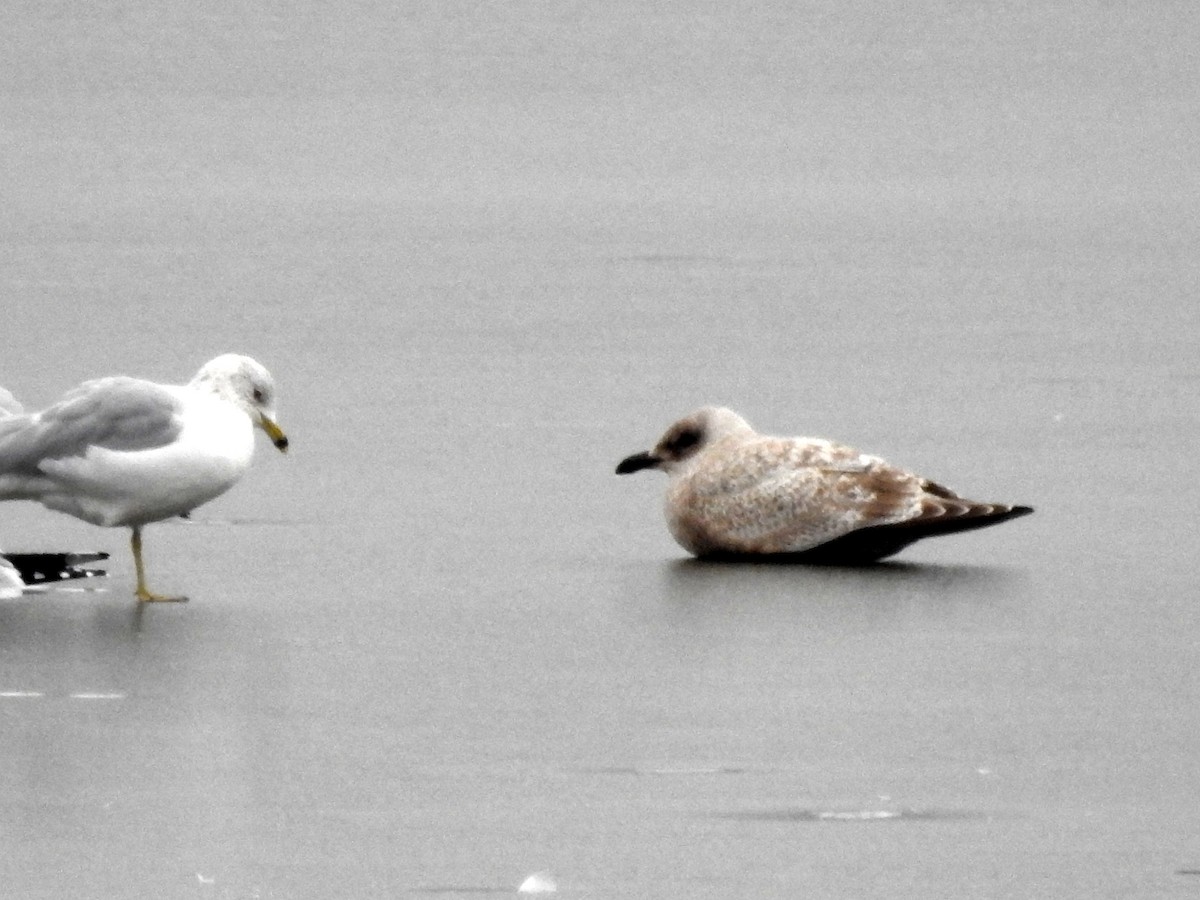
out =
column 538, row 883
column 668, row 769
column 869, row 814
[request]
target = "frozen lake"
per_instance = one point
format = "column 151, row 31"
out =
column 489, row 251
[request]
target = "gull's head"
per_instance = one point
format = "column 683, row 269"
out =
column 686, row 439
column 247, row 384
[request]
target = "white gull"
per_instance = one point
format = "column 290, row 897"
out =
column 122, row 451
column 11, row 584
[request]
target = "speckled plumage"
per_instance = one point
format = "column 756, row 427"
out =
column 736, row 492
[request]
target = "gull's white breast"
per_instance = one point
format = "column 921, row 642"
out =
column 115, row 487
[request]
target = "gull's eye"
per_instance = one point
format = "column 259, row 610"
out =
column 259, row 396
column 683, row 441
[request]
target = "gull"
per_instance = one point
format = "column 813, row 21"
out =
column 45, row 568
column 9, row 406
column 11, row 583
column 19, row 569
column 122, row 451
column 736, row 493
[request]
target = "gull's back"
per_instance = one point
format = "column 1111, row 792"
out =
column 761, row 494
column 116, row 413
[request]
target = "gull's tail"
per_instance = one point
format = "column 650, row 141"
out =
column 877, row 542
column 946, row 513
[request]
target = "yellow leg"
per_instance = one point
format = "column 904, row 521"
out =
column 143, row 593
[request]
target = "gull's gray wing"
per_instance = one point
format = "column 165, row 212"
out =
column 117, row 413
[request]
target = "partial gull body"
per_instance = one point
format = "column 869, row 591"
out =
column 17, row 570
column 9, row 405
column 49, row 567
column 11, row 583
column 121, row 451
column 734, row 492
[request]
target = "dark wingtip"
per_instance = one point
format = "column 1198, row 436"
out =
column 1019, row 511
column 636, row 463
column 40, row 568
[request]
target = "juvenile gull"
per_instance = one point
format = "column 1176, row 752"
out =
column 735, row 492
column 121, row 451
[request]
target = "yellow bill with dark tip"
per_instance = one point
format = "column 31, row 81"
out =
column 275, row 433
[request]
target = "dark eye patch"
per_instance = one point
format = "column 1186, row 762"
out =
column 684, row 441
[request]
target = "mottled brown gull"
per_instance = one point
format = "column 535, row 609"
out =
column 734, row 492
column 121, row 451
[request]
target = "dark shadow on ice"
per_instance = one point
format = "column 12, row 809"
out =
column 865, row 546
column 878, row 594
column 802, row 572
